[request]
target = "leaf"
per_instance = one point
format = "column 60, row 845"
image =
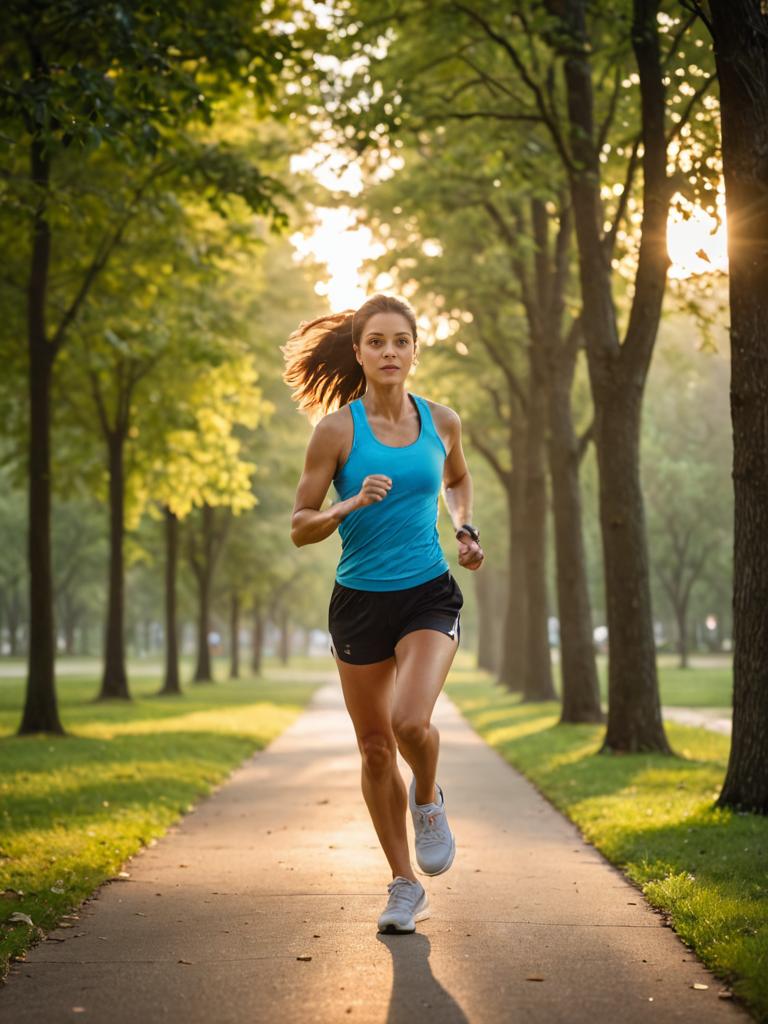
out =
column 698, row 985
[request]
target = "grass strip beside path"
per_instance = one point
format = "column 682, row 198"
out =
column 74, row 808
column 651, row 815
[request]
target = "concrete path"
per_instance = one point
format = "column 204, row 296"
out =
column 714, row 719
column 261, row 905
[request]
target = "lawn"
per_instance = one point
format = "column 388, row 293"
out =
column 73, row 808
column 651, row 815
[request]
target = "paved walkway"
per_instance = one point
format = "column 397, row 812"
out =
column 261, row 906
column 714, row 719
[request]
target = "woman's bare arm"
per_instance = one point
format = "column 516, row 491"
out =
column 309, row 525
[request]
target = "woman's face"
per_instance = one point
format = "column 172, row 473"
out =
column 386, row 349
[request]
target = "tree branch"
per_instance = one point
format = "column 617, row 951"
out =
column 504, row 475
column 547, row 115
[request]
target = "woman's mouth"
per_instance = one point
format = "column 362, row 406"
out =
column 386, row 368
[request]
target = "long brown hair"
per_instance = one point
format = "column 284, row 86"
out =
column 320, row 363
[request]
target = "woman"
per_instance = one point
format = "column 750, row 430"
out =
column 394, row 610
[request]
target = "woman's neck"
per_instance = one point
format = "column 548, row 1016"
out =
column 389, row 403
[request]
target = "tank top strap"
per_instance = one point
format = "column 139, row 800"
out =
column 359, row 421
column 429, row 423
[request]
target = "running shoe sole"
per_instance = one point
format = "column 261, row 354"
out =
column 392, row 929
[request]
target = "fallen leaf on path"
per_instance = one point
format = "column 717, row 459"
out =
column 303, row 957
column 724, row 994
column 698, row 985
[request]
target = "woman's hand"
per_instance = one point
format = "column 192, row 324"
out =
column 375, row 488
column 471, row 555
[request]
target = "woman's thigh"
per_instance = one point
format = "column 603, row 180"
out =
column 368, row 691
column 424, row 658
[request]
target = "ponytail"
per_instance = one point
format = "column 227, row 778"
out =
column 320, row 361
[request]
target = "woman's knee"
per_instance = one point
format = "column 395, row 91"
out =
column 378, row 752
column 411, row 730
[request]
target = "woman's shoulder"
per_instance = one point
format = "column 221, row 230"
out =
column 445, row 418
column 334, row 426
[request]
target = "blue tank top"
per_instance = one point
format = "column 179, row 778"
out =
column 392, row 544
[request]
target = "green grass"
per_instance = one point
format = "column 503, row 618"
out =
column 709, row 687
column 73, row 808
column 651, row 815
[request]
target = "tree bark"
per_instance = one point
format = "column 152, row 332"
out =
column 488, row 621
column 257, row 639
column 618, row 372
column 681, row 619
column 114, row 683
column 171, row 678
column 514, row 652
column 285, row 636
column 740, row 31
column 538, row 683
column 580, row 687
column 234, row 632
column 204, row 568
column 41, row 712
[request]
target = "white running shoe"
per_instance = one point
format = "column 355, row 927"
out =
column 435, row 843
column 407, row 904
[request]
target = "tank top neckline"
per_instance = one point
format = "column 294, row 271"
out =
column 396, row 447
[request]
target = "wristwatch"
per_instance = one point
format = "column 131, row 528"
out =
column 471, row 531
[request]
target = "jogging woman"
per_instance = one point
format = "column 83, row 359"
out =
column 394, row 610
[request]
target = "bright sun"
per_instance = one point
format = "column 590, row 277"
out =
column 697, row 244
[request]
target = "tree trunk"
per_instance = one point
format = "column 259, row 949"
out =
column 634, row 712
column 234, row 630
column 578, row 669
column 203, row 672
column 13, row 614
column 285, row 636
column 514, row 652
column 740, row 30
column 488, row 639
column 257, row 639
column 69, row 618
column 171, row 679
column 681, row 619
column 114, row 681
column 204, row 573
column 618, row 371
column 41, row 712
column 538, row 682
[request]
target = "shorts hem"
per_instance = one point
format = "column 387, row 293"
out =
column 452, row 634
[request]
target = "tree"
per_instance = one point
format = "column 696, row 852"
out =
column 740, row 33
column 591, row 82
column 72, row 73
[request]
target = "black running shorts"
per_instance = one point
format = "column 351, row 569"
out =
column 365, row 625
